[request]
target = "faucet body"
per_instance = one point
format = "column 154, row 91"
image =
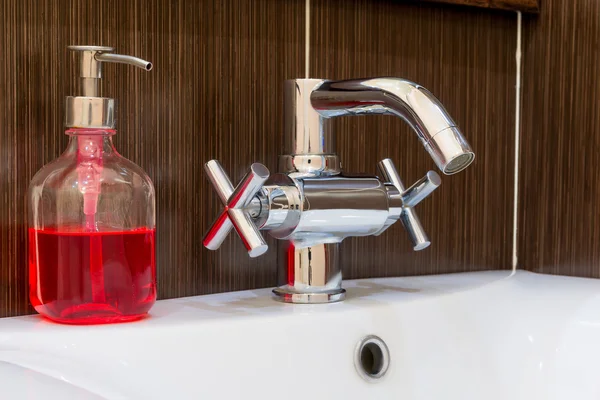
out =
column 311, row 205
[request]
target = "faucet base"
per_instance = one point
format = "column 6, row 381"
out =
column 284, row 294
column 309, row 275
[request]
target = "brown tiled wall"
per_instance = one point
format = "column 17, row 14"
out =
column 559, row 210
column 219, row 67
column 466, row 58
column 216, row 92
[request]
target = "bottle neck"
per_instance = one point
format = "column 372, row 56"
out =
column 89, row 144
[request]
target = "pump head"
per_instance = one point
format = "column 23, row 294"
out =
column 90, row 110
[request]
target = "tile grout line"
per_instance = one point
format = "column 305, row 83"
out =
column 307, row 41
column 518, row 59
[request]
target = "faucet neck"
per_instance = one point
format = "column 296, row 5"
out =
column 304, row 126
column 309, row 146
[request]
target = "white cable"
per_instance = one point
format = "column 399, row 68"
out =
column 515, row 258
column 307, row 40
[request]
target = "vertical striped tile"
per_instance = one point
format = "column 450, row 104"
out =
column 466, row 58
column 559, row 211
column 215, row 92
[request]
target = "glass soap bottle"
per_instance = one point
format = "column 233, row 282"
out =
column 92, row 215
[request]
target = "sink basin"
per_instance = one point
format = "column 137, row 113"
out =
column 485, row 335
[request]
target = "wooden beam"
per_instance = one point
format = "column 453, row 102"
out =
column 532, row 6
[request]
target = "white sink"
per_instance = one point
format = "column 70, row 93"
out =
column 462, row 336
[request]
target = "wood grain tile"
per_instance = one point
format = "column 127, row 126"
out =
column 559, row 211
column 466, row 57
column 215, row 92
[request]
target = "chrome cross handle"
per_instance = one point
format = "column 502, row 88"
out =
column 410, row 198
column 237, row 212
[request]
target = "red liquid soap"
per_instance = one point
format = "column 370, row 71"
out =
column 92, row 277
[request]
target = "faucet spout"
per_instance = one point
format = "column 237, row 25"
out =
column 439, row 134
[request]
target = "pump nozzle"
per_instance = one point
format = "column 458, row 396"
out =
column 90, row 110
column 122, row 59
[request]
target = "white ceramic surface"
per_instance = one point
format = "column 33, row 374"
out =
column 462, row 336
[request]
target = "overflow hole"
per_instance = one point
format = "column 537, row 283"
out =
column 372, row 358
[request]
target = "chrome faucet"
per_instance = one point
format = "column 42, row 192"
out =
column 310, row 205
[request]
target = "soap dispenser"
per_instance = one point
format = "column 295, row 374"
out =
column 91, row 215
